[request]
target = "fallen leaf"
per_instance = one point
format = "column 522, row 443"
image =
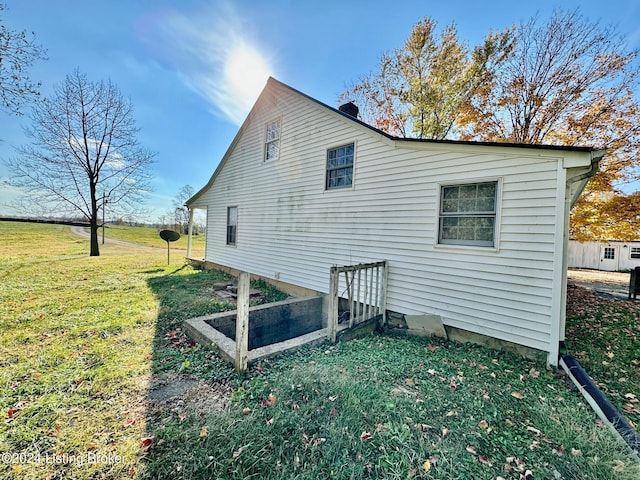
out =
column 365, row 436
column 471, row 450
column 426, row 466
column 483, row 424
column 296, row 407
column 333, row 412
column 534, row 373
column 270, row 421
column 533, row 430
column 319, row 441
column 203, row 432
column 246, row 411
column 484, row 460
column 432, row 347
column 576, row 452
column 92, row 446
column 445, row 430
column 11, row 412
column 409, row 381
column 517, row 395
column 272, row 399
column 431, row 371
column 237, row 453
column 147, row 443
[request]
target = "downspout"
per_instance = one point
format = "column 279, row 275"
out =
column 600, row 404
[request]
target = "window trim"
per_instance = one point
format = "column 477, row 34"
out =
column 497, row 215
column 327, row 169
column 267, row 142
column 232, row 233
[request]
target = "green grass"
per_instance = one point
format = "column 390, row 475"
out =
column 150, row 237
column 604, row 335
column 83, row 341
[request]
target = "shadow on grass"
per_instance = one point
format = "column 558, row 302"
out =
column 189, row 382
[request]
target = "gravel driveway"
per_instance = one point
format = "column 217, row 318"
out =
column 607, row 283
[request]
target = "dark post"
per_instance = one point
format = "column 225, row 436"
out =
column 169, row 236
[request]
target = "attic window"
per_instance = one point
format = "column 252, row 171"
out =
column 272, row 140
column 340, row 167
column 468, row 214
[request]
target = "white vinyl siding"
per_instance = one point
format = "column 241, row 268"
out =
column 294, row 229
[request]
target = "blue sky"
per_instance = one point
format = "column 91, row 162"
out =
column 192, row 68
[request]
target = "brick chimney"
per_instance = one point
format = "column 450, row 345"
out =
column 349, row 108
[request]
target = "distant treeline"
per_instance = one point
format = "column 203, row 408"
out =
column 45, row 220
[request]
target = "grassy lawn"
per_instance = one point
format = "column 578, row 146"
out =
column 150, row 237
column 99, row 381
column 604, row 335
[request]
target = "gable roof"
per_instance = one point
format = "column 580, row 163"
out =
column 273, row 83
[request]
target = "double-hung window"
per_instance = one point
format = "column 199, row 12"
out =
column 272, row 140
column 340, row 167
column 468, row 214
column 232, row 225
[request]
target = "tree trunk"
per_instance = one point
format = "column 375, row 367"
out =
column 95, row 249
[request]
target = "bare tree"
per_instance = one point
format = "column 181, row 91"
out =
column 571, row 81
column 180, row 212
column 18, row 51
column 84, row 153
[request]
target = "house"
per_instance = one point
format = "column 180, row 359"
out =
column 611, row 256
column 474, row 233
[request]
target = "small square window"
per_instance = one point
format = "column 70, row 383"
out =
column 232, row 225
column 272, row 140
column 340, row 167
column 609, row 253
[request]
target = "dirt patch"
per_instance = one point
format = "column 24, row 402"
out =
column 183, row 394
column 606, row 283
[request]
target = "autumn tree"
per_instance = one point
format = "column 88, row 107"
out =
column 570, row 82
column 418, row 90
column 84, row 153
column 18, row 52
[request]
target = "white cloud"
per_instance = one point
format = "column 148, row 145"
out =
column 214, row 57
